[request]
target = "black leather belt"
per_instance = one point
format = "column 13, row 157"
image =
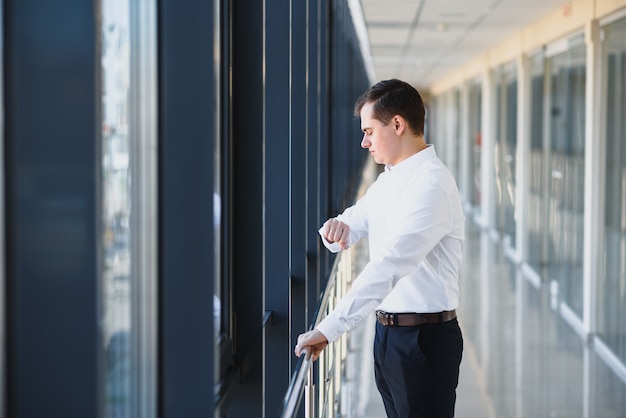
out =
column 413, row 319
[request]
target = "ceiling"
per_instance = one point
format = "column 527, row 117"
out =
column 421, row 41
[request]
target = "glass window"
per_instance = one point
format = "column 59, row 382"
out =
column 566, row 74
column 128, row 208
column 612, row 281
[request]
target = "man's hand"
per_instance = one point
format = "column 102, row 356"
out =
column 337, row 231
column 314, row 341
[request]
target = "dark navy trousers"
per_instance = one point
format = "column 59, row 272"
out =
column 417, row 369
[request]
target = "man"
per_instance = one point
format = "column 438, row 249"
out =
column 413, row 218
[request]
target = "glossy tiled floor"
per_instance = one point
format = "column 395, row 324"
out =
column 533, row 362
column 522, row 357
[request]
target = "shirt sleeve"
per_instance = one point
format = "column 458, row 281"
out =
column 410, row 237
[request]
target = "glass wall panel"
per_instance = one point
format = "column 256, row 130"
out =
column 128, row 208
column 537, row 178
column 442, row 142
column 566, row 171
column 448, row 123
column 612, row 281
column 505, row 151
column 433, row 119
column 456, row 135
column 116, row 199
column 474, row 116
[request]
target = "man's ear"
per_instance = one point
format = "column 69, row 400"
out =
column 399, row 124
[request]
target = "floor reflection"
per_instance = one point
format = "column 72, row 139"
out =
column 533, row 361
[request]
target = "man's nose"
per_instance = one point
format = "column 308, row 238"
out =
column 365, row 143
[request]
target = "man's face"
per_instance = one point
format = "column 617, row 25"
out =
column 381, row 140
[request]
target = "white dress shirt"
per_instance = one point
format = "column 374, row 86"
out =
column 414, row 219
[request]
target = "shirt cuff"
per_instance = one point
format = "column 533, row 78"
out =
column 331, row 328
column 334, row 247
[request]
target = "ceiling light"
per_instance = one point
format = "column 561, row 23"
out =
column 441, row 27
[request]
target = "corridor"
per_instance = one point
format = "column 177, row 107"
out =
column 521, row 357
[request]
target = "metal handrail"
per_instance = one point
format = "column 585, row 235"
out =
column 295, row 390
column 321, row 399
column 303, row 374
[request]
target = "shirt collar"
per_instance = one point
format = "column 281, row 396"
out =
column 413, row 161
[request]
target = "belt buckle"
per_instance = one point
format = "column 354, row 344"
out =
column 389, row 319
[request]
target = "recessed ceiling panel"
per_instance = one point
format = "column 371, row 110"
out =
column 426, row 39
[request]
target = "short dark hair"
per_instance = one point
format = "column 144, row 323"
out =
column 394, row 97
